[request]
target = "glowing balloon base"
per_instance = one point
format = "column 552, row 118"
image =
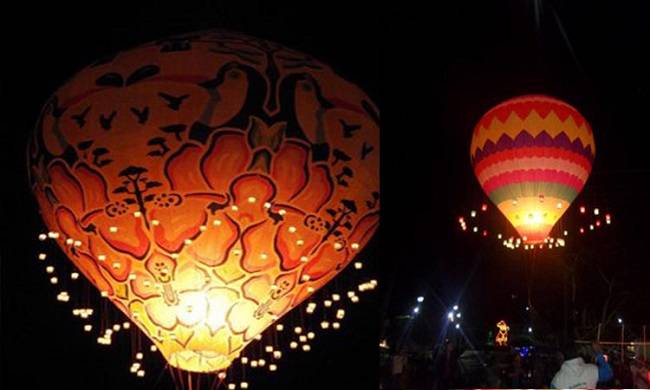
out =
column 323, row 312
column 533, row 217
column 196, row 360
column 207, row 184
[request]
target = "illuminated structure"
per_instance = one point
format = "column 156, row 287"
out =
column 501, row 339
column 532, row 156
column 206, row 184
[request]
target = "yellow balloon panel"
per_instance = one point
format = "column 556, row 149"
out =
column 532, row 217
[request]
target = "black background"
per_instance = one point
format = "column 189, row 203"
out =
column 433, row 69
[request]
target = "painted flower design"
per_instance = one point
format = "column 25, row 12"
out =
column 207, row 201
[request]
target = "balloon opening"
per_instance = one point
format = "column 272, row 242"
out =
column 536, row 234
column 533, row 217
column 202, row 361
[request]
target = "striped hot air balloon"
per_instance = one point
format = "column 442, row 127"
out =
column 532, row 156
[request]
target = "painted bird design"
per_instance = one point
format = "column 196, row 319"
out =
column 80, row 118
column 173, row 102
column 228, row 93
column 107, row 121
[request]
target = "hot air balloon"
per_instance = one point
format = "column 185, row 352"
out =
column 206, row 184
column 532, row 156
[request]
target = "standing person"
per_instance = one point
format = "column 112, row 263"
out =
column 540, row 370
column 640, row 374
column 517, row 373
column 605, row 371
column 397, row 369
column 447, row 367
column 576, row 374
column 622, row 372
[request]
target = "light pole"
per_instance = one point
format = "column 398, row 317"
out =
column 620, row 321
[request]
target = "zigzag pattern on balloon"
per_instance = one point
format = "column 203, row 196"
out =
column 535, row 115
column 524, row 139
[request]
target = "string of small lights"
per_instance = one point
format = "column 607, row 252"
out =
column 586, row 220
column 271, row 346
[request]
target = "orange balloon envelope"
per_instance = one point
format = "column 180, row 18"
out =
column 532, row 155
column 206, row 184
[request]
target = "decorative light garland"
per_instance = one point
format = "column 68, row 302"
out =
column 305, row 335
column 512, row 242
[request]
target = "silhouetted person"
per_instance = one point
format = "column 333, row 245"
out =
column 447, row 367
column 517, row 374
column 398, row 368
column 539, row 371
column 640, row 374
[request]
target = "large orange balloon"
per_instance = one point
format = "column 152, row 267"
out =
column 206, row 184
column 532, row 155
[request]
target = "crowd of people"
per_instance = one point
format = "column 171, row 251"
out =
column 574, row 366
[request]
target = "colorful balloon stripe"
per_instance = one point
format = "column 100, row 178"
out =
column 525, row 139
column 532, row 175
column 524, row 166
column 534, row 125
column 518, row 191
column 513, row 154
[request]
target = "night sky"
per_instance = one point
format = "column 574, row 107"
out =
column 445, row 70
column 433, row 72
